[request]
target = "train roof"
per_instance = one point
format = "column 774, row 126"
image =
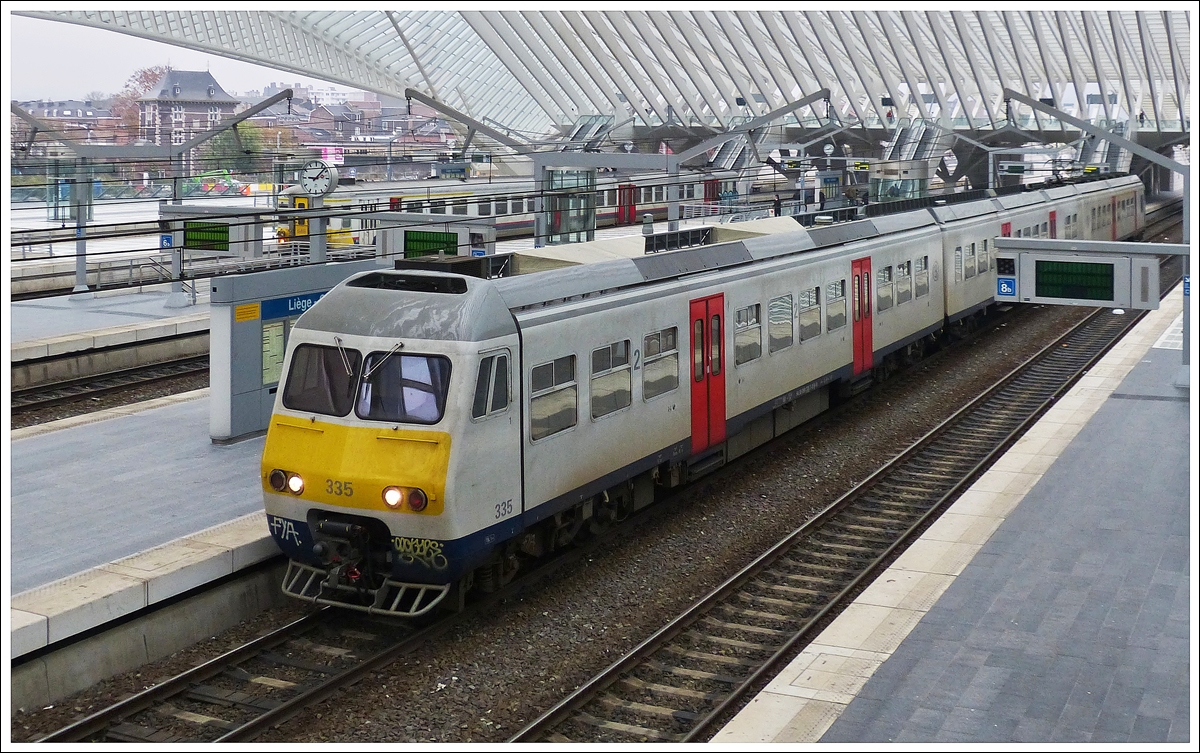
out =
column 440, row 306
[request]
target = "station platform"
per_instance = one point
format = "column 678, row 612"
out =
column 1051, row 603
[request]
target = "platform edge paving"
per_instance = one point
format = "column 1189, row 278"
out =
column 81, row 602
column 107, row 336
column 796, row 707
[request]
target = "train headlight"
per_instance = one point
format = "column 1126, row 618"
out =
column 278, row 480
column 417, row 500
column 295, row 484
column 393, row 497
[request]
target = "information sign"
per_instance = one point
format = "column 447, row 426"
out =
column 282, row 308
column 1006, row 286
column 166, row 240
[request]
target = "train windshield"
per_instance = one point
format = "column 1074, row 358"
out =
column 321, row 379
column 406, row 389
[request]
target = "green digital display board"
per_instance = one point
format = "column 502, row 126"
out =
column 208, row 236
column 418, row 243
column 1084, row 281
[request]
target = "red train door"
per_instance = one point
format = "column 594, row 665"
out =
column 1054, row 224
column 626, row 204
column 708, row 371
column 860, row 270
column 1005, row 229
column 712, row 190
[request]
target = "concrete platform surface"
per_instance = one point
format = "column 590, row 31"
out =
column 93, row 489
column 1050, row 604
column 53, row 318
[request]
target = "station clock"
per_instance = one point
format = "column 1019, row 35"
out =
column 317, row 178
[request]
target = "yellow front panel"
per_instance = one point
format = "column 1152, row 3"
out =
column 329, row 456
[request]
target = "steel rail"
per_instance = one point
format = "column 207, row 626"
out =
column 58, row 393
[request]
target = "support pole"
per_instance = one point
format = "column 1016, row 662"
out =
column 317, row 233
column 673, row 196
column 79, row 184
column 177, row 299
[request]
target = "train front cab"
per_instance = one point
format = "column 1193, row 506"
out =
column 404, row 443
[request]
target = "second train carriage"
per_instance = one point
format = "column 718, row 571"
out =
column 432, row 428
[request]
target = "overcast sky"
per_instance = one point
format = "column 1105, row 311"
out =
column 54, row 60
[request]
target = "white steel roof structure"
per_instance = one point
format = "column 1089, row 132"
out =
column 538, row 72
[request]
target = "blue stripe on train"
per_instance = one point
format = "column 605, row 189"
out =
column 414, row 560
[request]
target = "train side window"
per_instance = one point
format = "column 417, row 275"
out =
column 689, row 191
column 491, row 386
column 660, row 354
column 1045, row 229
column 903, row 282
column 921, row 277
column 484, row 208
column 460, row 207
column 501, row 205
column 658, row 193
column 747, row 339
column 437, row 206
column 884, row 289
column 983, row 258
column 599, row 199
column 715, row 333
column 779, row 323
column 414, row 206
column 553, row 403
column 958, row 264
column 969, row 262
column 809, row 304
column 612, row 197
column 612, row 378
column 835, row 306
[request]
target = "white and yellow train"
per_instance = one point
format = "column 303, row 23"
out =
column 433, row 430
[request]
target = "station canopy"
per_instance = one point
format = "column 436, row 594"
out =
column 536, row 74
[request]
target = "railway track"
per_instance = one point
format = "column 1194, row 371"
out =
column 58, row 393
column 677, row 683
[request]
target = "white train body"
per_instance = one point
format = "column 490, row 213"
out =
column 567, row 396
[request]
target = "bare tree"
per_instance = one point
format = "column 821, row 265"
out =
column 125, row 103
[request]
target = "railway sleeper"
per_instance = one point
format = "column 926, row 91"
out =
column 706, row 657
column 817, row 570
column 220, row 697
column 851, row 545
column 136, row 733
column 741, row 627
column 287, row 661
column 192, row 717
column 643, row 733
column 813, row 596
column 846, row 530
column 695, row 674
column 755, row 614
column 639, row 685
column 805, row 585
column 731, row 642
column 675, row 715
column 823, row 552
column 895, row 499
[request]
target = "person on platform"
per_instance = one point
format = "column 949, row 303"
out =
column 778, row 206
column 821, row 200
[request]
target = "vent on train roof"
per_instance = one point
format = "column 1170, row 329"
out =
column 410, row 283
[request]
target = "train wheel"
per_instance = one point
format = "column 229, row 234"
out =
column 498, row 572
